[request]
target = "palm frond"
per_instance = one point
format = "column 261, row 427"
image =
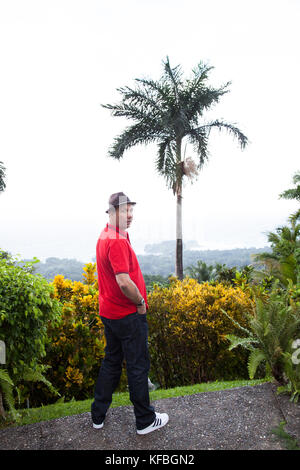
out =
column 140, row 98
column 2, row 176
column 273, row 238
column 139, row 133
column 152, row 92
column 293, row 193
column 166, row 162
column 200, row 74
column 289, row 269
column 199, row 140
column 132, row 112
column 173, row 75
column 264, row 258
column 201, row 99
column 295, row 217
column 230, row 128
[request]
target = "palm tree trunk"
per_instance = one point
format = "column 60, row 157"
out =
column 179, row 263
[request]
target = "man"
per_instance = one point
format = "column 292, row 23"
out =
column 123, row 306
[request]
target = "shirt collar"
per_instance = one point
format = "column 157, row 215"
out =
column 118, row 230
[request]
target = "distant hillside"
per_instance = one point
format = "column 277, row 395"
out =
column 162, row 264
column 69, row 268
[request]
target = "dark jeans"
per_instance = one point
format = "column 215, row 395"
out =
column 127, row 339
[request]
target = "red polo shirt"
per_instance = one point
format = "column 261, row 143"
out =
column 115, row 255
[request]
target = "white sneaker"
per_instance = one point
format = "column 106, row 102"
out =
column 160, row 420
column 98, row 426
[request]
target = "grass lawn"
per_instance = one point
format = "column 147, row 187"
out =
column 58, row 410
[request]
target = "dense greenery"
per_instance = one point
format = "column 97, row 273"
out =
column 284, row 260
column 76, row 345
column 273, row 326
column 27, row 307
column 220, row 322
column 187, row 332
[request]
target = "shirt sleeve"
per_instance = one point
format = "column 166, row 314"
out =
column 118, row 256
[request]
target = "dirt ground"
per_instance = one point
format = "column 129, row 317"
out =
column 236, row 419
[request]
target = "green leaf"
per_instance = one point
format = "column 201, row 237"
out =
column 255, row 358
column 4, row 376
column 237, row 341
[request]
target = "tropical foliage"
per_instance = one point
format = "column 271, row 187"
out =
column 76, row 345
column 284, row 261
column 273, row 325
column 53, row 335
column 27, row 305
column 187, row 332
column 293, row 193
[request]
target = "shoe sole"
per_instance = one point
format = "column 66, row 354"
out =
column 97, row 426
column 143, row 431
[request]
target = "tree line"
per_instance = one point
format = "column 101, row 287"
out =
column 158, row 267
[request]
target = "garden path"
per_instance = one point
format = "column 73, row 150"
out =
column 236, row 419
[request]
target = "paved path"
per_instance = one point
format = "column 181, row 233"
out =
column 236, row 419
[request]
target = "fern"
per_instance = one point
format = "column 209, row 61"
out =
column 255, row 358
column 237, row 341
column 4, row 377
column 36, row 375
column 237, row 323
column 272, row 325
column 6, row 390
column 292, row 371
column 7, row 387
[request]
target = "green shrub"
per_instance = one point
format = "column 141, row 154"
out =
column 273, row 327
column 187, row 332
column 27, row 306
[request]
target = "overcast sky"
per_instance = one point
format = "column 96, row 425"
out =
column 61, row 59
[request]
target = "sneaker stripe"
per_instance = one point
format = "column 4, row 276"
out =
column 157, row 422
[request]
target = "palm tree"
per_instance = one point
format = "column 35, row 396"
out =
column 169, row 112
column 2, row 176
column 201, row 271
column 283, row 261
column 293, row 193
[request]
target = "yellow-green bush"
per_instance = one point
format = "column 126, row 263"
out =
column 187, row 332
column 76, row 346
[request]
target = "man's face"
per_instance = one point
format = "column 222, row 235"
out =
column 124, row 216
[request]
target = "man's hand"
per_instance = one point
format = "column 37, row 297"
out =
column 142, row 310
column 129, row 289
